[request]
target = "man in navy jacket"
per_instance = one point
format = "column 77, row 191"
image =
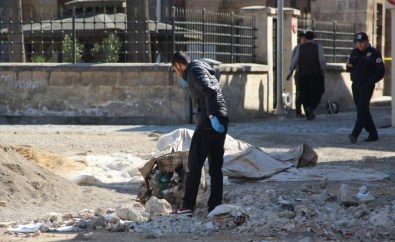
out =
column 211, row 127
column 366, row 68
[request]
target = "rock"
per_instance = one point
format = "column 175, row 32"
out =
column 54, row 217
column 324, row 184
column 82, row 224
column 209, row 225
column 99, row 211
column 367, row 159
column 345, row 197
column 132, row 214
column 361, row 211
column 155, row 206
column 97, row 223
column 85, row 180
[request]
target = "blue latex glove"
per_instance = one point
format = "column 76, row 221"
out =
column 184, row 83
column 216, row 125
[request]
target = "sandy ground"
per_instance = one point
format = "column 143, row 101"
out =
column 52, row 146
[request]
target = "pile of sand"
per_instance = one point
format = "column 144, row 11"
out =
column 28, row 190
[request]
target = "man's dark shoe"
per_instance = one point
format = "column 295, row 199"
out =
column 299, row 115
column 309, row 113
column 370, row 139
column 352, row 139
column 311, row 116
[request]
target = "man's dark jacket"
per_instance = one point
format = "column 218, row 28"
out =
column 368, row 67
column 205, row 92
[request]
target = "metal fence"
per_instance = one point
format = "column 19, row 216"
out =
column 89, row 35
column 225, row 37
column 337, row 39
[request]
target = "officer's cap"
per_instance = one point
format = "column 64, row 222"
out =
column 361, row 36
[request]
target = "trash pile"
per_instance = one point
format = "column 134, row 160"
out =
column 164, row 178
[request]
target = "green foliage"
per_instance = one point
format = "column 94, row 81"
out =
column 107, row 51
column 67, row 45
column 38, row 59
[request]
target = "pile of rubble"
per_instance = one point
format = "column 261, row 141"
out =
column 311, row 211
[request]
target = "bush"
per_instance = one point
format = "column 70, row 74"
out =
column 67, row 45
column 107, row 51
column 38, row 59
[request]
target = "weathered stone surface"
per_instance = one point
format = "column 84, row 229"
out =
column 155, row 205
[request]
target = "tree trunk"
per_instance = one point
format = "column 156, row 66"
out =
column 17, row 48
column 138, row 36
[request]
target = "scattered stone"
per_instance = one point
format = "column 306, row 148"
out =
column 210, row 225
column 158, row 206
column 54, row 217
column 324, row 184
column 361, row 211
column 345, row 196
column 367, row 159
column 99, row 211
column 132, row 214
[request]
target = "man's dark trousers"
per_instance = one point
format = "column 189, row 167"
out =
column 298, row 99
column 362, row 93
column 311, row 89
column 206, row 143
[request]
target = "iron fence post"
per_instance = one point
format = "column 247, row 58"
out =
column 74, row 37
column 204, row 33
column 232, row 14
column 173, row 28
column 334, row 39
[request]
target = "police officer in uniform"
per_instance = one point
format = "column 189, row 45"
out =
column 366, row 68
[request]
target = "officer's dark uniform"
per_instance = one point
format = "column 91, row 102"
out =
column 368, row 68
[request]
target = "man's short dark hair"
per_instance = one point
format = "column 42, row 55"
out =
column 310, row 35
column 180, row 57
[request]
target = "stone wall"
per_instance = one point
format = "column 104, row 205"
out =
column 140, row 93
column 119, row 93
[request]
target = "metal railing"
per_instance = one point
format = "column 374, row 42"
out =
column 83, row 36
column 337, row 39
column 225, row 37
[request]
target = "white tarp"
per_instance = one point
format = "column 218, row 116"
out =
column 242, row 160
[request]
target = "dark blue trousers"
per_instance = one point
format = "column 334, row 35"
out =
column 206, row 143
column 362, row 93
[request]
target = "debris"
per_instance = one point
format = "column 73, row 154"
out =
column 25, row 228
